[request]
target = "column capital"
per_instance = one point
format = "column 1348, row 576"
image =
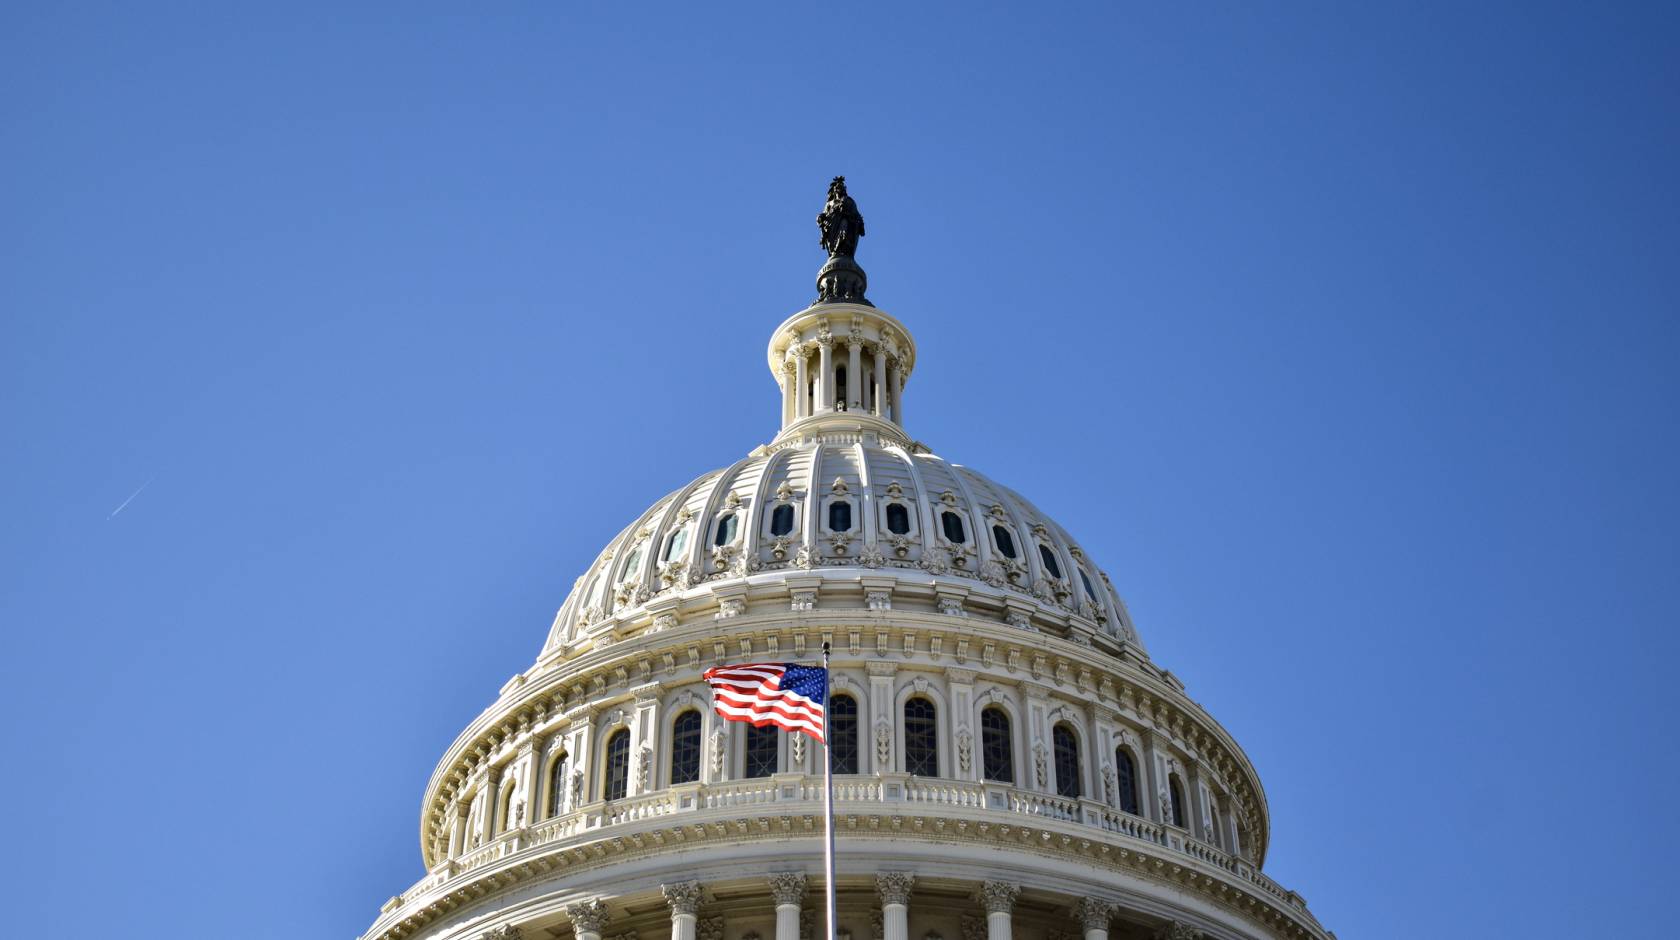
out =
column 1093, row 914
column 998, row 897
column 588, row 916
column 787, row 887
column 684, row 896
column 894, row 886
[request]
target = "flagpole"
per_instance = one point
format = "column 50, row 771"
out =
column 828, row 797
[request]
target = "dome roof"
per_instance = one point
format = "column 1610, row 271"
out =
column 845, row 500
column 843, row 507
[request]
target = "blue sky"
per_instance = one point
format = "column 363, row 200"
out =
column 1342, row 336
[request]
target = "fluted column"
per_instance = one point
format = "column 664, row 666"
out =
column 588, row 918
column 854, row 372
column 894, row 888
column 787, row 889
column 1093, row 916
column 897, row 370
column 801, row 379
column 528, row 782
column 825, row 372
column 880, row 381
column 788, row 406
column 998, row 897
column 684, row 899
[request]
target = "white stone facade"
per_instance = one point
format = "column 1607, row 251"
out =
column 1017, row 766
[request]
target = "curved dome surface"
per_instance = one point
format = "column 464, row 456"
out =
column 845, row 504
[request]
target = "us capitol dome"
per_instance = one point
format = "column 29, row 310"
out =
column 1008, row 760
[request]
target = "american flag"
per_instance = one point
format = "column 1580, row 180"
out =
column 787, row 695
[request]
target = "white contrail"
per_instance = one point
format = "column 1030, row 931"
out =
column 130, row 499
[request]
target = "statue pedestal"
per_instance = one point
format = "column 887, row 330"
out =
column 841, row 280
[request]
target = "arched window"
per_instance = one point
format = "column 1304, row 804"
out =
column 921, row 738
column 1049, row 559
column 1005, row 541
column 781, row 520
column 997, row 752
column 953, row 526
column 615, row 777
column 1066, row 746
column 679, row 541
column 839, row 516
column 557, row 785
column 761, row 750
column 685, row 747
column 1175, row 793
column 1126, row 771
column 843, row 733
column 898, row 519
column 726, row 529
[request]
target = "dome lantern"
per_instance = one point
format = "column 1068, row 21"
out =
column 841, row 363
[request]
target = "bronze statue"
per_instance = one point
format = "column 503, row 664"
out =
column 840, row 222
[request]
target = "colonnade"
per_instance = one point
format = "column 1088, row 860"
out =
column 893, row 891
column 802, row 398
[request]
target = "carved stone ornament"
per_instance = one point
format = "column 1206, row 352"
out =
column 879, row 600
column 952, row 607
column 894, row 886
column 787, row 887
column 731, row 607
column 684, row 897
column 1108, row 782
column 644, row 767
column 802, row 600
column 501, row 932
column 719, row 747
column 797, row 746
column 664, row 621
column 838, row 487
column 1166, row 805
column 965, row 749
column 588, row 916
column 1093, row 914
column 876, row 930
column 577, row 789
column 973, row 928
column 805, row 558
column 1178, row 930
column 994, row 573
column 901, row 545
column 871, row 556
column 936, row 560
column 709, row 928
column 1041, row 764
column 883, row 745
column 779, row 547
column 998, row 897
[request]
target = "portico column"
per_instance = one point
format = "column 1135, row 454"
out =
column 880, row 380
column 457, row 830
column 854, row 373
column 801, row 379
column 684, row 898
column 787, row 889
column 487, row 821
column 588, row 918
column 998, row 897
column 1093, row 916
column 894, row 888
column 825, row 372
column 528, row 778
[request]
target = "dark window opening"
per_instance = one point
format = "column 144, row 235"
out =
column 953, row 526
column 839, row 516
column 557, row 785
column 921, row 738
column 843, row 733
column 1175, row 793
column 617, row 772
column 761, row 750
column 1090, row 591
column 726, row 529
column 1067, row 761
column 781, row 520
column 1127, row 772
column 685, row 748
column 1049, row 559
column 996, row 750
column 898, row 519
column 1005, row 541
